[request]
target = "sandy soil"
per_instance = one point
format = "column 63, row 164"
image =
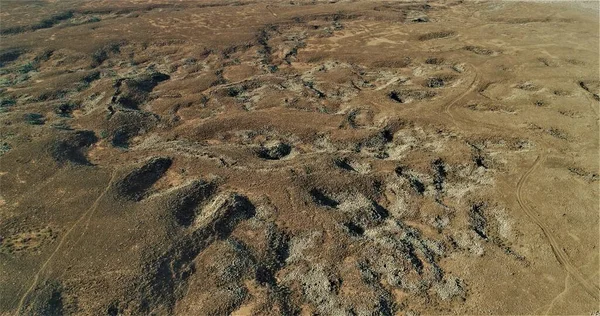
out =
column 299, row 157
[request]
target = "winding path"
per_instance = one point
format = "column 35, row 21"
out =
column 559, row 252
column 448, row 106
column 60, row 244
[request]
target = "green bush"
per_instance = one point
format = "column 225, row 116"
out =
column 25, row 68
column 93, row 19
column 4, row 148
column 7, row 102
column 34, row 119
column 51, row 21
column 65, row 109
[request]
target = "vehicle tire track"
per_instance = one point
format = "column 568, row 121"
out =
column 62, row 241
column 89, row 218
column 559, row 253
column 270, row 10
column 472, row 86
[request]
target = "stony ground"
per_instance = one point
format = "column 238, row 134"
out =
column 301, row 157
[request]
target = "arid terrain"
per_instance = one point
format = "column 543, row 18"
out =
column 218, row 157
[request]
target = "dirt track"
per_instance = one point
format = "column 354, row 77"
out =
column 299, row 158
column 558, row 251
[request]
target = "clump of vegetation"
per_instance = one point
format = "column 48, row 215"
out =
column 93, row 19
column 234, row 91
column 4, row 148
column 435, row 82
column 478, row 50
column 87, row 80
column 478, row 221
column 52, row 95
column 12, row 30
column 134, row 91
column 70, row 147
column 7, row 102
column 220, row 79
column 53, row 20
column 43, row 56
column 34, row 119
column 274, row 151
column 9, row 55
column 434, row 61
column 435, row 35
column 406, row 96
column 25, row 68
column 528, row 86
column 417, row 185
column 100, row 55
column 65, row 109
column 557, row 133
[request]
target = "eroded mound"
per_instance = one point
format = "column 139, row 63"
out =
column 298, row 158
